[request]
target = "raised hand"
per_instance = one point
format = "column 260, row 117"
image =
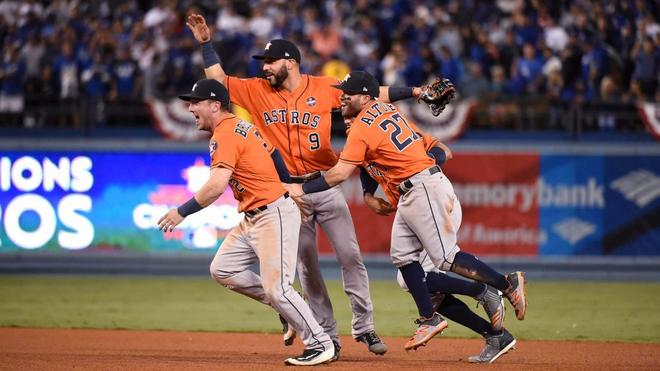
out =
column 198, row 26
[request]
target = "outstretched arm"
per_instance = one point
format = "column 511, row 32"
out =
column 202, row 34
column 340, row 172
column 390, row 94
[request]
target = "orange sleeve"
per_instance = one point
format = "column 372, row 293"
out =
column 356, row 146
column 239, row 91
column 429, row 141
column 226, row 152
column 269, row 147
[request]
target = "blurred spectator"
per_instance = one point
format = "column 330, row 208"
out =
column 563, row 50
column 647, row 67
column 393, row 65
column 450, row 66
column 325, row 40
column 96, row 79
column 609, row 93
column 474, row 84
column 12, row 99
column 260, row 24
column 126, row 80
column 66, row 71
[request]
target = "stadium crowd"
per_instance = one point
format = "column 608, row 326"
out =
column 93, row 53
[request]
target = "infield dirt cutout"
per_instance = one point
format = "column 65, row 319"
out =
column 62, row 349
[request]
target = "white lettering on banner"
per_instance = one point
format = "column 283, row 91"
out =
column 5, row 169
column 225, row 217
column 30, row 181
column 26, row 174
column 82, row 233
column 199, row 230
column 524, row 196
column 81, row 229
column 47, row 221
column 478, row 233
column 81, row 173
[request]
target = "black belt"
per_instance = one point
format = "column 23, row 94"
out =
column 259, row 209
column 305, row 178
column 406, row 185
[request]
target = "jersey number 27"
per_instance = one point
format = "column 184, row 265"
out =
column 399, row 143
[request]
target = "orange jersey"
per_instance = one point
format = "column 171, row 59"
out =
column 388, row 188
column 238, row 146
column 296, row 123
column 384, row 139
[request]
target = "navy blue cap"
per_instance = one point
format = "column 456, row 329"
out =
column 360, row 82
column 208, row 89
column 280, row 49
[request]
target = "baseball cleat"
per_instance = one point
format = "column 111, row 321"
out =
column 288, row 331
column 312, row 357
column 496, row 346
column 493, row 304
column 428, row 328
column 374, row 343
column 337, row 347
column 516, row 293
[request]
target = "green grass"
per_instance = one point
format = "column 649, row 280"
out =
column 566, row 310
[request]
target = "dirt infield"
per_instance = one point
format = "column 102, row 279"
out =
column 56, row 349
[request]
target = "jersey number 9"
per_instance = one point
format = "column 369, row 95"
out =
column 314, row 141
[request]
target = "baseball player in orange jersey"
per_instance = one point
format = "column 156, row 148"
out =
column 293, row 111
column 380, row 135
column 442, row 287
column 269, row 232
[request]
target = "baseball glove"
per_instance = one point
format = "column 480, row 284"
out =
column 437, row 95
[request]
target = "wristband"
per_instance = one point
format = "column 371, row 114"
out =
column 209, row 55
column 399, row 93
column 316, row 185
column 190, row 207
column 438, row 155
column 369, row 185
column 280, row 166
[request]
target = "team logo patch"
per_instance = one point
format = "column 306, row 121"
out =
column 311, row 101
column 213, row 145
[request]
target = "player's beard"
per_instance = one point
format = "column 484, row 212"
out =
column 350, row 110
column 280, row 76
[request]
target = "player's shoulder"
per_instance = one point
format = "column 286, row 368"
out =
column 325, row 81
column 249, row 81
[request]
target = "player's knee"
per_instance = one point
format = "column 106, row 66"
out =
column 219, row 275
column 399, row 261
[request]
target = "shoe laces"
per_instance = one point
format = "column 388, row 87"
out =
column 370, row 338
column 423, row 321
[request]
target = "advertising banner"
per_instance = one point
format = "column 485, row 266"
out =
column 514, row 204
column 106, row 201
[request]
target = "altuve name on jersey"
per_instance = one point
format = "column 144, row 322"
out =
column 377, row 109
column 279, row 116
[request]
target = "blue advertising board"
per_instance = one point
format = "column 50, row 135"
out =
column 106, row 201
